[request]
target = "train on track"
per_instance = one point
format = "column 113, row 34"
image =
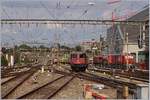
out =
column 122, row 61
column 117, row 61
column 78, row 61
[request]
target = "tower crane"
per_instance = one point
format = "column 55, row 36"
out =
column 112, row 1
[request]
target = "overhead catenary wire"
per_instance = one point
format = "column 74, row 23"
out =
column 47, row 10
column 5, row 13
column 85, row 11
column 68, row 6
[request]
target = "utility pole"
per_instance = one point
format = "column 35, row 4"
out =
column 100, row 44
column 127, row 50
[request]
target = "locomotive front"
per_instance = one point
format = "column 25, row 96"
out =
column 78, row 61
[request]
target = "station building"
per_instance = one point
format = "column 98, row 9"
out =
column 123, row 38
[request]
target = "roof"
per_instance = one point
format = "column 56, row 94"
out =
column 132, row 30
column 143, row 15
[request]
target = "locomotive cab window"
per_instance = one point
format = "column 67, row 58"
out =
column 82, row 55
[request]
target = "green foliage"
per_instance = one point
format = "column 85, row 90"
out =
column 24, row 46
column 65, row 47
column 17, row 57
column 4, row 62
column 88, row 51
column 4, row 50
column 42, row 47
column 78, row 48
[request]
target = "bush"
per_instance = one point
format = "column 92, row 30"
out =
column 4, row 62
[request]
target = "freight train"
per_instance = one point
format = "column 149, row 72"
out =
column 78, row 61
column 120, row 61
column 114, row 61
column 117, row 61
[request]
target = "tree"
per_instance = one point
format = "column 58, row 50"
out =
column 65, row 47
column 24, row 46
column 4, row 62
column 3, row 50
column 42, row 47
column 78, row 48
column 88, row 51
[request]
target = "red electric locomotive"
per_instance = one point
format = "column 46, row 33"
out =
column 78, row 61
column 100, row 60
column 121, row 61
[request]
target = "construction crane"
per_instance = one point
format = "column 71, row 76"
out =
column 112, row 1
column 113, row 16
column 121, row 18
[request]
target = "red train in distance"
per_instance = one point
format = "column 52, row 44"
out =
column 100, row 60
column 78, row 61
column 121, row 61
column 115, row 61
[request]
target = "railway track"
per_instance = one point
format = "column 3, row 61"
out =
column 8, row 79
column 17, row 71
column 109, row 81
column 10, row 85
column 123, row 74
column 48, row 90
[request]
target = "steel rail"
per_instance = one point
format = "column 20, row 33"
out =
column 7, row 72
column 60, row 88
column 9, row 80
column 105, row 80
column 16, row 85
column 94, row 78
column 52, row 93
column 125, row 75
column 38, row 88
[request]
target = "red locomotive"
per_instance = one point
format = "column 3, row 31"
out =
column 78, row 61
column 115, row 61
column 100, row 60
column 121, row 61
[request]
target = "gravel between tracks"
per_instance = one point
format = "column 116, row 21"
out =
column 119, row 78
column 44, row 92
column 5, row 88
column 29, row 85
column 74, row 90
column 6, row 79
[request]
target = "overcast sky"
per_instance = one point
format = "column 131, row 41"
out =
column 62, row 9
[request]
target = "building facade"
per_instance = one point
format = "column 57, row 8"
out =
column 123, row 39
